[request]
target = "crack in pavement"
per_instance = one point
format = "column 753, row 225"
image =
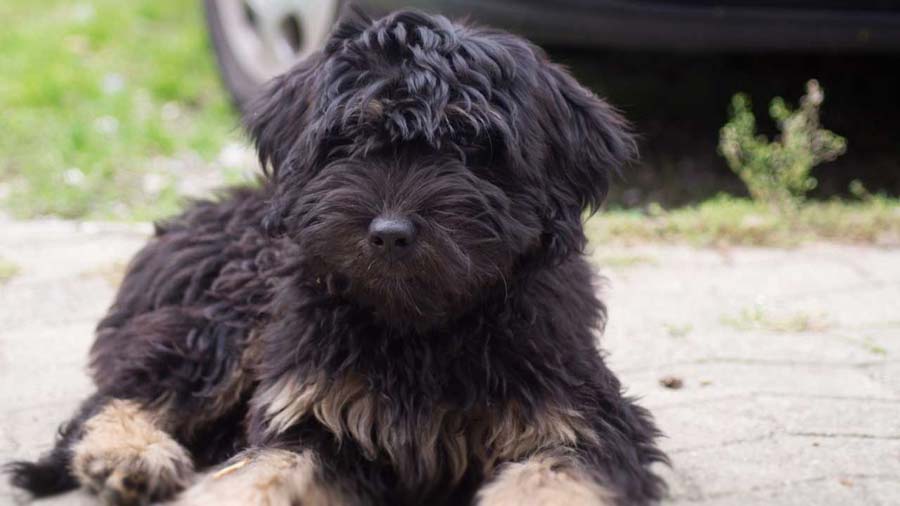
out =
column 848, row 435
column 791, row 483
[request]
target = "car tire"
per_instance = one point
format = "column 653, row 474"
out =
column 245, row 60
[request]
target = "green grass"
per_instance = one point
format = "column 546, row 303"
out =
column 621, row 261
column 105, row 105
column 678, row 330
column 101, row 102
column 865, row 342
column 8, row 270
column 726, row 220
column 758, row 318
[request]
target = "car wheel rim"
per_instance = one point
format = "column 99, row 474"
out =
column 266, row 37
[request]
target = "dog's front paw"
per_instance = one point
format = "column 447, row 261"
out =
column 544, row 480
column 266, row 477
column 127, row 461
column 133, row 479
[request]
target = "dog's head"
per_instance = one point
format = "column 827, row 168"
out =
column 422, row 162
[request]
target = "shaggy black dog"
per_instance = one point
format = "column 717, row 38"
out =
column 400, row 314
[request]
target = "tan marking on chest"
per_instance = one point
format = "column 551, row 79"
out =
column 443, row 439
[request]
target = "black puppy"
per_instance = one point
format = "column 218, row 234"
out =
column 400, row 314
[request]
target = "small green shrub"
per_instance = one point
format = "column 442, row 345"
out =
column 778, row 172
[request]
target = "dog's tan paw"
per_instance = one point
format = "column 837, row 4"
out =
column 126, row 460
column 266, row 477
column 544, row 480
column 131, row 480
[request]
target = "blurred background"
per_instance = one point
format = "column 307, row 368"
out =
column 116, row 110
column 751, row 257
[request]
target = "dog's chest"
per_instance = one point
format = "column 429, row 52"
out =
column 421, row 443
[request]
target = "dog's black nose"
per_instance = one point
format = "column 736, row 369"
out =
column 392, row 236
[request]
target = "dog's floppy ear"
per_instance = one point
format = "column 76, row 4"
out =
column 278, row 116
column 276, row 121
column 284, row 111
column 588, row 141
column 285, row 123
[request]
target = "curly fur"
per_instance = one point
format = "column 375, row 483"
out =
column 265, row 319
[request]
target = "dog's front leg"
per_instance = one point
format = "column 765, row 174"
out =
column 126, row 456
column 264, row 477
column 544, row 479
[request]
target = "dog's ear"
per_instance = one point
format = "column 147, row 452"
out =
column 588, row 141
column 284, row 120
column 278, row 116
column 276, row 121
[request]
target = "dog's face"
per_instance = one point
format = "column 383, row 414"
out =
column 421, row 163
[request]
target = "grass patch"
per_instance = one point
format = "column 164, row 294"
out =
column 678, row 330
column 757, row 318
column 864, row 342
column 103, row 104
column 726, row 220
column 875, row 348
column 8, row 270
column 622, row 261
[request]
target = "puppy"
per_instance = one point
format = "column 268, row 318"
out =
column 399, row 314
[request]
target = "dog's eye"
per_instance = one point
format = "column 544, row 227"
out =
column 478, row 155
